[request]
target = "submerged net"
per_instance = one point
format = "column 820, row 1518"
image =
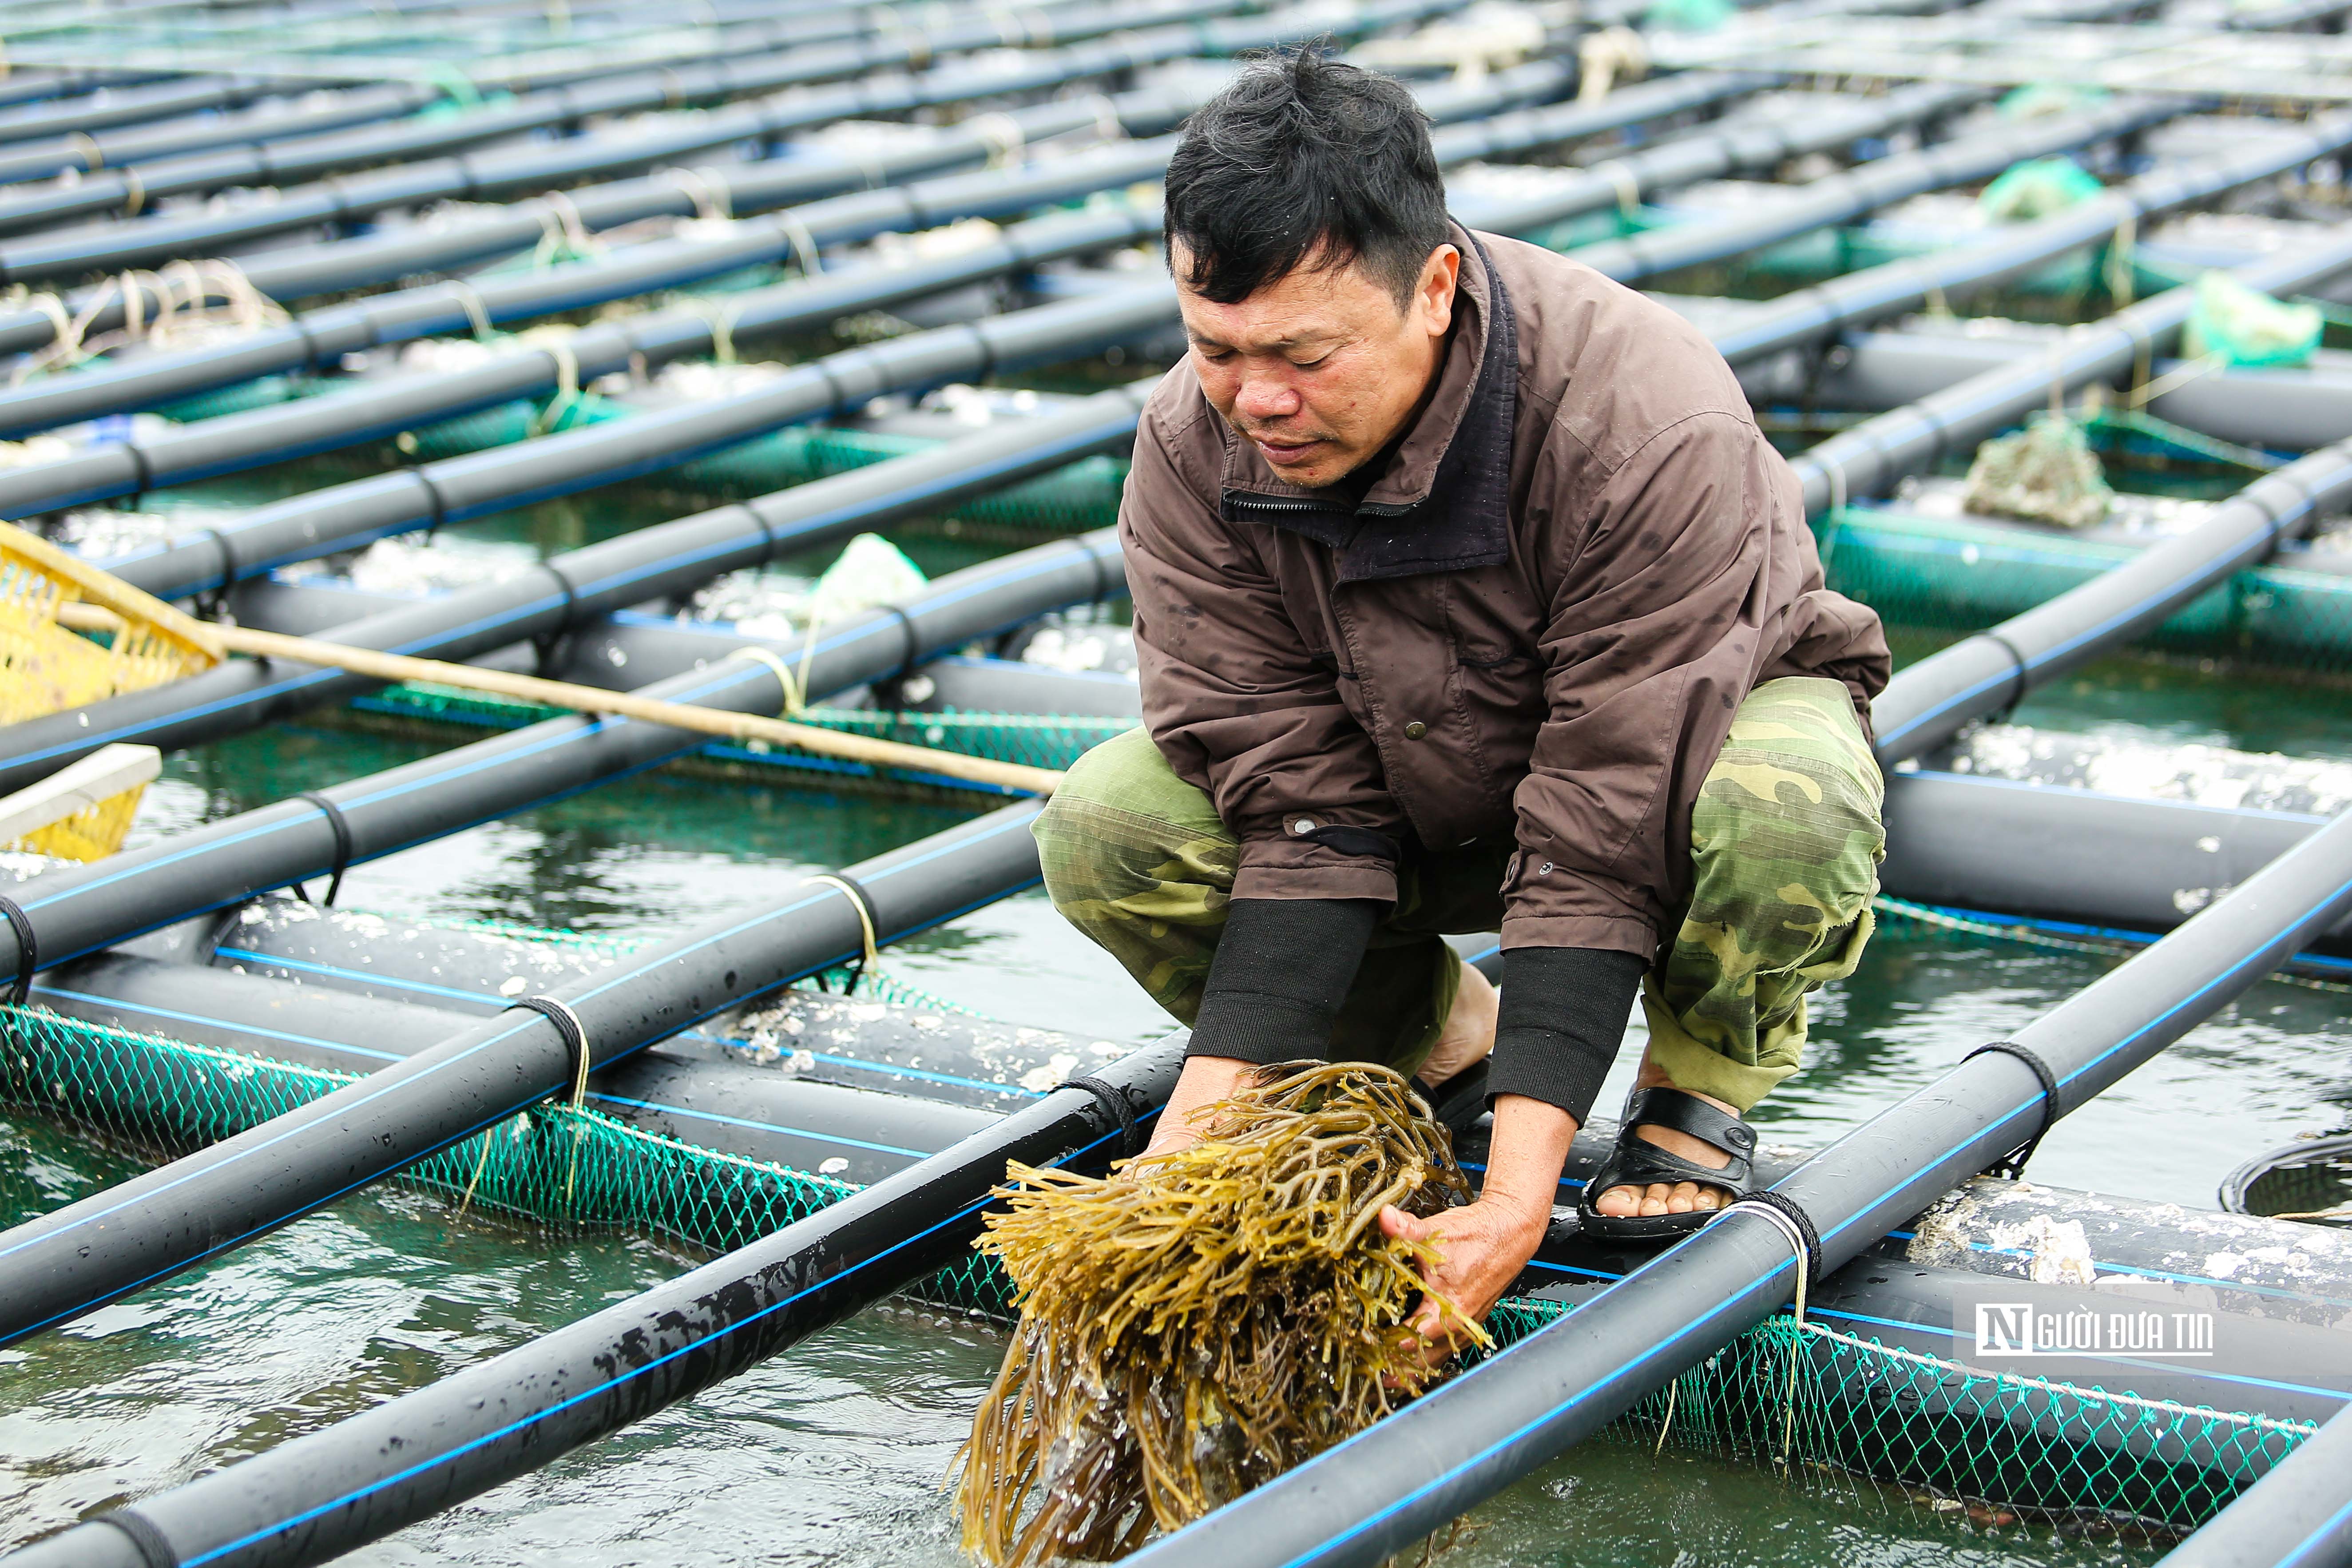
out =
column 1961, row 575
column 1197, row 1324
column 1036, row 740
column 1861, row 1415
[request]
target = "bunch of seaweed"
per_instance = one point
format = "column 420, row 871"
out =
column 1201, row 1321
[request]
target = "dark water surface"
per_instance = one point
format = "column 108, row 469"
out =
column 835, row 1453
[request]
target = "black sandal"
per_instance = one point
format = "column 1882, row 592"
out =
column 1637, row 1162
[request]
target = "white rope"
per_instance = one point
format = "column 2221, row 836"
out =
column 1796, row 1240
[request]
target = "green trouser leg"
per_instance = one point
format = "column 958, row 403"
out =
column 1785, row 845
column 1136, row 858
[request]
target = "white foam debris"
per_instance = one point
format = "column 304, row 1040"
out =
column 2195, row 773
column 2061, row 1252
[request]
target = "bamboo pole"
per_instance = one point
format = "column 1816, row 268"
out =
column 394, row 667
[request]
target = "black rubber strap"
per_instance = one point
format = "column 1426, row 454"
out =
column 2011, row 1165
column 343, row 830
column 154, row 1549
column 1130, row 1135
column 1794, row 1212
column 28, row 951
column 567, row 1024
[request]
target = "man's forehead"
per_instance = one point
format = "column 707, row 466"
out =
column 1308, row 305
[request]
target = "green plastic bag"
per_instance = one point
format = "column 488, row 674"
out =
column 2038, row 188
column 2248, row 327
column 871, row 571
column 1687, row 15
column 2044, row 473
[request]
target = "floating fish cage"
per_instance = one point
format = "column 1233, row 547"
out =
column 785, row 359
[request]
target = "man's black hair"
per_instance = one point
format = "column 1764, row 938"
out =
column 1304, row 157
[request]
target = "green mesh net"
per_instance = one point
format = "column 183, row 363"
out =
column 1845, row 1414
column 2036, row 189
column 1856, row 1415
column 1959, row 574
column 1072, row 500
column 1037, row 740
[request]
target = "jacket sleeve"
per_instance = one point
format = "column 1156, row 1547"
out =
column 1236, row 699
column 1657, row 568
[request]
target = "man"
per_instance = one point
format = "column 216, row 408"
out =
column 1467, row 596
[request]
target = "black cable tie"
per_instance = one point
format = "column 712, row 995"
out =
column 543, row 646
column 343, row 830
column 911, row 642
column 1130, row 1135
column 142, row 475
column 28, row 951
column 154, row 1550
column 1794, row 1212
column 439, row 508
column 2011, row 1165
column 227, row 567
column 567, row 1024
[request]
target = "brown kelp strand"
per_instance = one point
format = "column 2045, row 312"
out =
column 1199, row 1322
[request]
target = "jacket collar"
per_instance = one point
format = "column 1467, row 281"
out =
column 1443, row 504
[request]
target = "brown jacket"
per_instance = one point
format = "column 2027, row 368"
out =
column 1538, row 621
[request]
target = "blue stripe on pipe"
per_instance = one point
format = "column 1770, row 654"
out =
column 2312, row 1542
column 633, row 1372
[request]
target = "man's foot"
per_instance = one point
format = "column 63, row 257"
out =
column 1469, row 1032
column 1671, row 1197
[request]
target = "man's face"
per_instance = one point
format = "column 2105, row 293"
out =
column 1321, row 369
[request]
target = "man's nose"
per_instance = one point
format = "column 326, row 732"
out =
column 1264, row 397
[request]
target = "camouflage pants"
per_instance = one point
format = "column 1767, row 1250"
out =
column 1785, row 843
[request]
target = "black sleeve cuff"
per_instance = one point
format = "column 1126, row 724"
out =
column 1563, row 1016
column 1282, row 969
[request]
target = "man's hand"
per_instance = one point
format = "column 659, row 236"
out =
column 1482, row 1247
column 1486, row 1243
column 1204, row 1082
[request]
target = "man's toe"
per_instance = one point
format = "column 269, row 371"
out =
column 1616, row 1203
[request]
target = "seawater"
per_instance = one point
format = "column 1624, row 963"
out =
column 835, row 1452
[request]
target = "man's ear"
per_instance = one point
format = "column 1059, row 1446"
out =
column 1433, row 296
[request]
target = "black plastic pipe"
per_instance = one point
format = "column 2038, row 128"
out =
column 1396, row 1482
column 1841, row 197
column 540, row 166
column 70, row 914
column 317, row 1497
column 164, row 1221
column 2073, row 855
column 1931, row 701
column 684, row 1089
column 579, row 587
column 343, row 516
column 132, row 106
column 80, row 152
column 2297, row 1516
column 743, row 188
column 378, row 408
column 1873, row 455
column 738, row 187
column 373, row 409
column 2282, row 409
column 1809, row 315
